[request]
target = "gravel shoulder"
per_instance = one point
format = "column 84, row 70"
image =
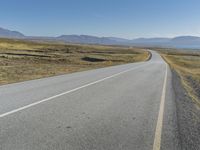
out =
column 188, row 116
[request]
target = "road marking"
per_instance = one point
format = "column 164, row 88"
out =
column 158, row 132
column 67, row 92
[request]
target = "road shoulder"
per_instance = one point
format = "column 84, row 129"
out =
column 188, row 116
column 170, row 135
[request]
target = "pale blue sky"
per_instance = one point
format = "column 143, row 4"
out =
column 120, row 18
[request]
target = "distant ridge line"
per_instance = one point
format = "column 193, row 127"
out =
column 177, row 42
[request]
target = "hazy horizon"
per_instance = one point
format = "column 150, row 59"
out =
column 100, row 36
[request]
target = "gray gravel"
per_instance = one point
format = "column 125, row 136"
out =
column 188, row 117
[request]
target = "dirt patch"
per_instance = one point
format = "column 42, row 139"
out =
column 92, row 59
column 23, row 55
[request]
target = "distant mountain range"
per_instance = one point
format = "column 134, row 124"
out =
column 177, row 42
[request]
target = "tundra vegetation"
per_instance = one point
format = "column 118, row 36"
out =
column 22, row 60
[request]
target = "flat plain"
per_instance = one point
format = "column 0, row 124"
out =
column 22, row 60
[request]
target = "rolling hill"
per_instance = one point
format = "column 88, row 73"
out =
column 4, row 33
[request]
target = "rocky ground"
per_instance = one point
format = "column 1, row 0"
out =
column 188, row 115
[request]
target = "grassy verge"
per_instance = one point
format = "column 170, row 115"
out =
column 25, row 60
column 187, row 65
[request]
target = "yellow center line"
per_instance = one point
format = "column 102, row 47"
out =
column 158, row 132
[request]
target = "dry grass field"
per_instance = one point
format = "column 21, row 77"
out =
column 25, row 60
column 187, row 65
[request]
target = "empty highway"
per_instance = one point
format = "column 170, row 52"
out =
column 125, row 107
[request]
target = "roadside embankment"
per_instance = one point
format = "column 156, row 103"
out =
column 186, row 83
column 188, row 116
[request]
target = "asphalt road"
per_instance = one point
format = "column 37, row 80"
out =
column 126, row 107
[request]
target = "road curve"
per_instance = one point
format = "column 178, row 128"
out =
column 122, row 107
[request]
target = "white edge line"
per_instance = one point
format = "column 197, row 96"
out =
column 159, row 125
column 64, row 93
